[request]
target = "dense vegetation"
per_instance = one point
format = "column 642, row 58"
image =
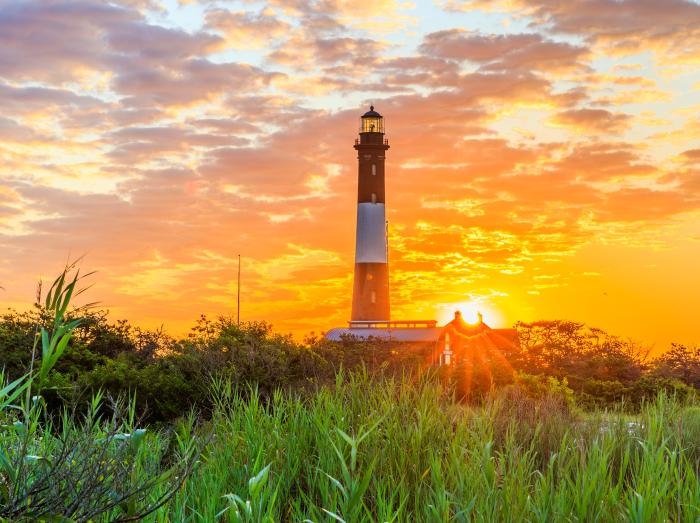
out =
column 246, row 425
column 169, row 376
column 371, row 449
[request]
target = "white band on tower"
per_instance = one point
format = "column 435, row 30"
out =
column 370, row 242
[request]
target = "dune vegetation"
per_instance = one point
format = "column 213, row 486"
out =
column 274, row 430
column 397, row 450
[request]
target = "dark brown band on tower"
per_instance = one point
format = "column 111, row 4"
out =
column 370, row 186
column 370, row 295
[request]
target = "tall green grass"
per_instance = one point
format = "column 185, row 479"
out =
column 369, row 448
column 372, row 449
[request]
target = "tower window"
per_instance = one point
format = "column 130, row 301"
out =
column 374, row 170
column 374, row 297
column 374, row 197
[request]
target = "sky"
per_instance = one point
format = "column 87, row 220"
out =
column 544, row 161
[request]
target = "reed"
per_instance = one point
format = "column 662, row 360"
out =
column 372, row 449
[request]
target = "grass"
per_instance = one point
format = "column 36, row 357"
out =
column 368, row 449
column 371, row 449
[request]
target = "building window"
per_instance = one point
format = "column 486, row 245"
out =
column 374, row 170
column 374, row 297
column 374, row 197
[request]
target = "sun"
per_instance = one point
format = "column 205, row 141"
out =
column 470, row 312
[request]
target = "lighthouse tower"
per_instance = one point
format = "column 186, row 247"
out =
column 370, row 296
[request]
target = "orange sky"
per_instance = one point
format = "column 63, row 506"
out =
column 544, row 161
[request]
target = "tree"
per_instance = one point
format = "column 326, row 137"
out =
column 679, row 362
column 580, row 353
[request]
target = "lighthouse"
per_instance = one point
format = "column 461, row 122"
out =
column 370, row 318
column 370, row 295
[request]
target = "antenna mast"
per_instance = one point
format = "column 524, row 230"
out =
column 238, row 297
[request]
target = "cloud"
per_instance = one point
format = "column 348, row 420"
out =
column 605, row 162
column 624, row 27
column 29, row 30
column 155, row 45
column 141, row 143
column 692, row 155
column 195, row 81
column 327, row 51
column 645, row 205
column 386, row 15
column 26, row 100
column 528, row 52
column 11, row 131
column 164, row 147
column 247, row 30
column 150, row 64
column 593, row 120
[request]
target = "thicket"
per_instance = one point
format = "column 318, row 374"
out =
column 167, row 376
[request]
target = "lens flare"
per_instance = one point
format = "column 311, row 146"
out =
column 470, row 312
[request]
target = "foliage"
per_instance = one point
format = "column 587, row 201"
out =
column 541, row 386
column 578, row 352
column 168, row 376
column 395, row 449
column 680, row 363
column 351, row 431
column 69, row 469
column 603, row 369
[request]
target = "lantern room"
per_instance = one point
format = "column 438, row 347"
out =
column 371, row 122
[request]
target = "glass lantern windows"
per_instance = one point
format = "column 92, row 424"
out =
column 372, row 124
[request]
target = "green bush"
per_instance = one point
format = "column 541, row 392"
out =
column 600, row 393
column 169, row 376
column 689, row 432
column 541, row 386
column 649, row 387
column 680, row 362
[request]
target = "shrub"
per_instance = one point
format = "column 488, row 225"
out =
column 541, row 386
column 689, row 432
column 649, row 387
column 600, row 393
